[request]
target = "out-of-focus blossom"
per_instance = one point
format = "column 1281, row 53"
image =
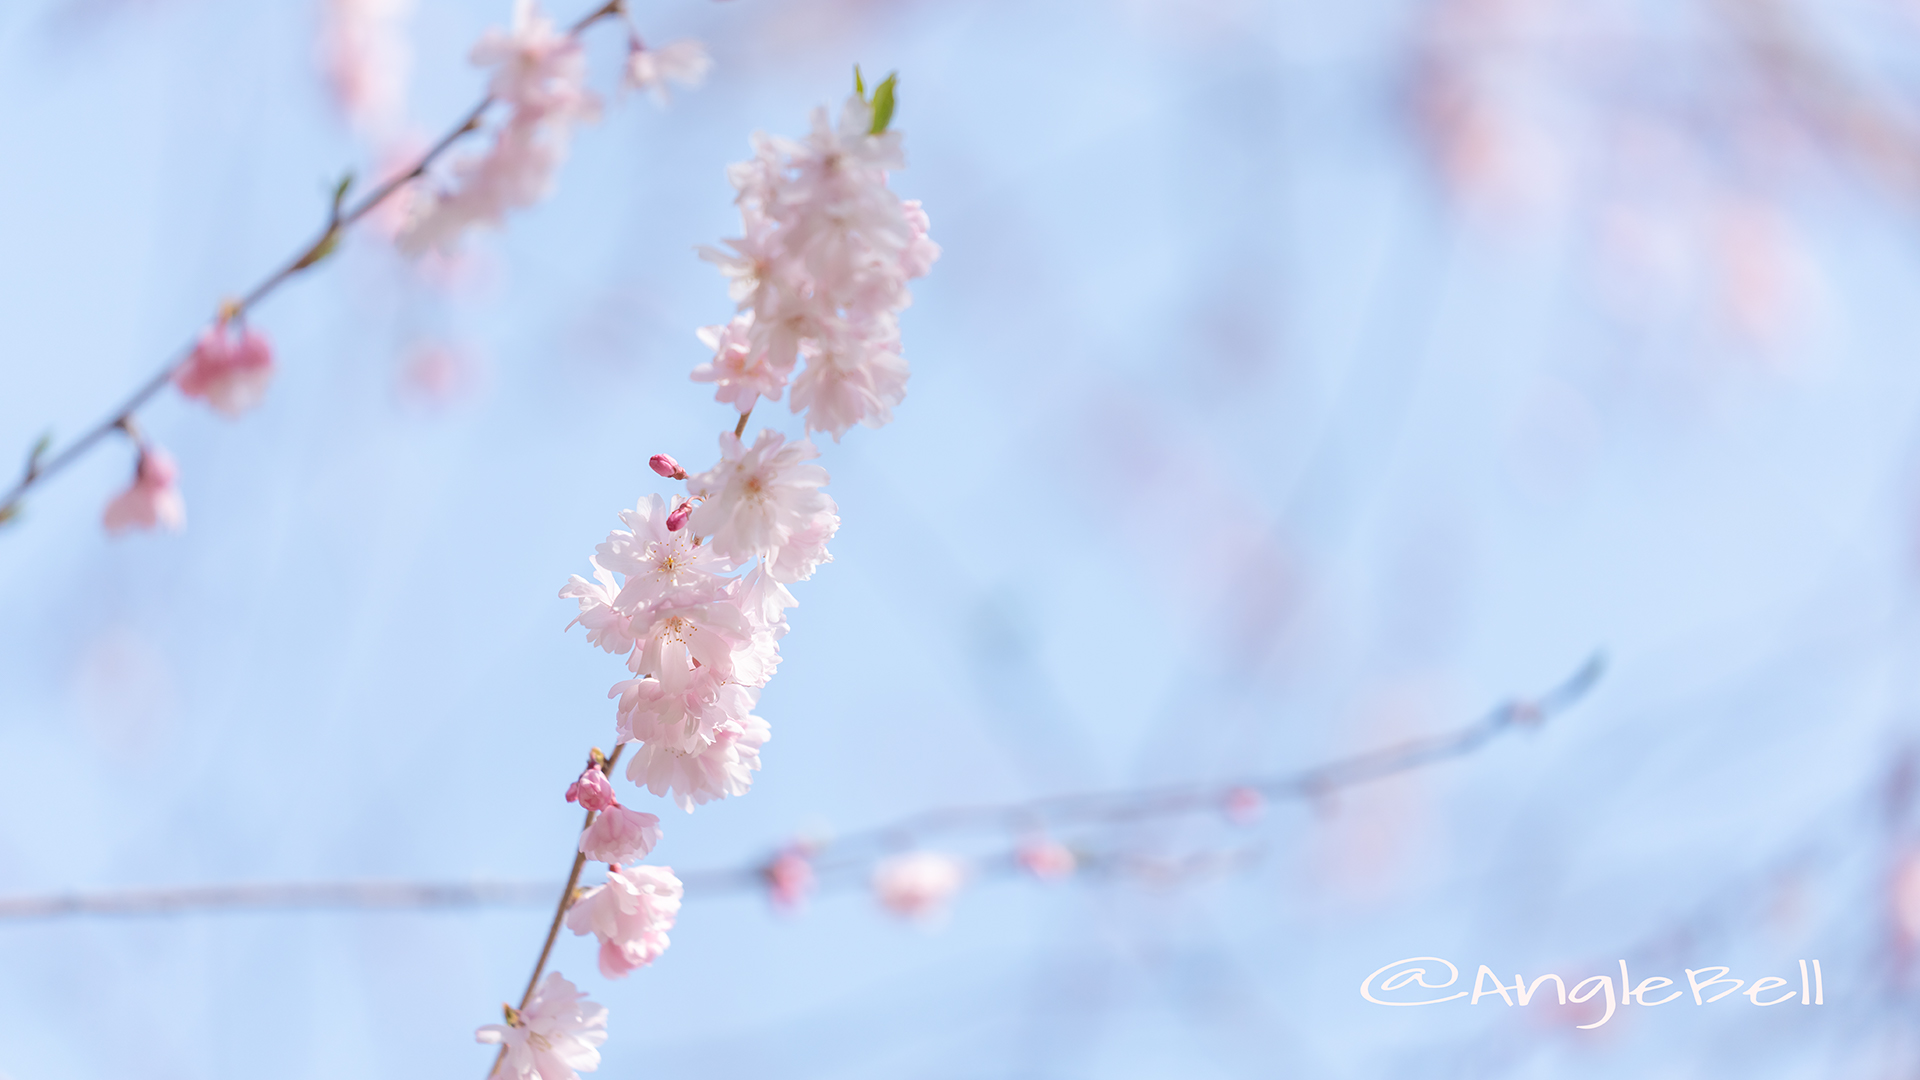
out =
column 683, row 62
column 539, row 74
column 363, row 50
column 438, row 374
column 1243, row 806
column 554, row 1038
column 757, row 498
column 1905, row 899
column 229, row 367
column 790, row 878
column 630, row 914
column 820, row 272
column 918, row 884
column 1048, row 860
column 152, row 500
column 620, row 835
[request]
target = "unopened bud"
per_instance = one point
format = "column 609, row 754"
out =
column 678, row 519
column 592, row 790
column 667, row 467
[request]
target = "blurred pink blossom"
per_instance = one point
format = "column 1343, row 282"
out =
column 1048, row 860
column 918, row 884
column 229, row 367
column 152, row 501
column 790, row 878
column 683, row 62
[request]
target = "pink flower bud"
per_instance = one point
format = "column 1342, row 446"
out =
column 591, row 790
column 678, row 519
column 667, row 467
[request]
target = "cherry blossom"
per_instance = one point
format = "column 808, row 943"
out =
column 717, row 770
column 1048, row 860
column 540, row 74
column 790, row 878
column 152, row 501
column 741, row 374
column 758, row 497
column 683, row 62
column 606, row 626
column 820, row 272
column 662, row 567
column 554, row 1038
column 1244, row 806
column 630, row 914
column 917, row 884
column 229, row 368
column 364, row 52
column 620, row 835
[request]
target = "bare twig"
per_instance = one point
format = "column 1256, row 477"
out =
column 855, row 851
column 39, row 468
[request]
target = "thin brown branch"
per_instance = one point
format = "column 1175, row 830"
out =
column 566, row 900
column 337, row 224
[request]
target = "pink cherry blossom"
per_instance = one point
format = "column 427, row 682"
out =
column 918, row 884
column 683, row 709
column 806, row 548
column 1244, row 805
column 630, row 914
column 152, row 501
column 820, row 271
column 918, row 259
column 364, row 52
column 849, row 379
column 606, row 626
column 620, row 835
column 662, row 566
column 229, row 368
column 666, row 466
column 1048, row 860
column 741, row 373
column 720, row 769
column 683, row 62
column 757, row 497
column 539, row 75
column 790, row 878
column 677, row 639
column 592, row 791
column 554, row 1038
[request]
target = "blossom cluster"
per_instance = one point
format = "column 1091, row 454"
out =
column 820, row 273
column 539, row 73
column 700, row 631
column 692, row 592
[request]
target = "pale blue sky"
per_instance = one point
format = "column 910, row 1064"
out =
column 1230, row 446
